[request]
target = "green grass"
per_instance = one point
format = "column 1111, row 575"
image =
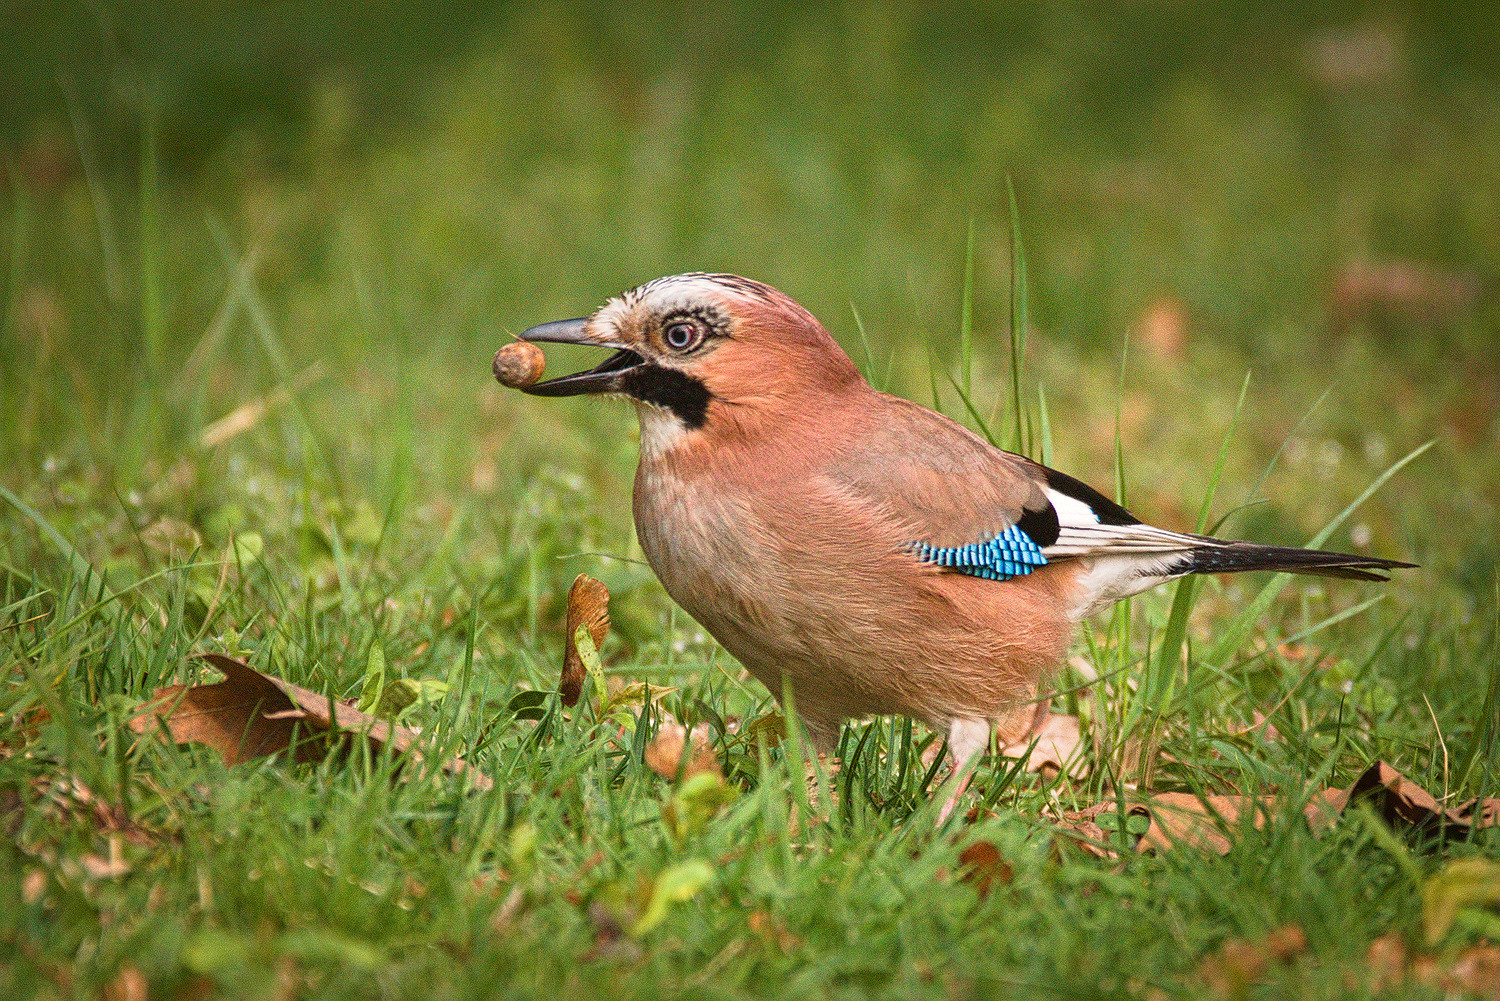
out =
column 353, row 267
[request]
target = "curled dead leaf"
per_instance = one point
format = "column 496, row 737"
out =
column 250, row 715
column 1401, row 802
column 588, row 606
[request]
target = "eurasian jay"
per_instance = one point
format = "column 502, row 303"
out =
column 870, row 554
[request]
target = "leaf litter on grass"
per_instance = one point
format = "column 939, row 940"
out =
column 251, row 715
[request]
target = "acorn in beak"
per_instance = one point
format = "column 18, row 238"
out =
column 606, row 377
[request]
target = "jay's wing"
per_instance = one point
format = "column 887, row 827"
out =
column 957, row 501
column 964, row 504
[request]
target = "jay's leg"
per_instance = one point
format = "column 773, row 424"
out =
column 967, row 740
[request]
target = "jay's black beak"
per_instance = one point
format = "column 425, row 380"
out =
column 602, row 378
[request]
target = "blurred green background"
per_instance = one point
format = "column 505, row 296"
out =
column 210, row 205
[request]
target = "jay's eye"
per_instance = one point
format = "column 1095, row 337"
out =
column 682, row 335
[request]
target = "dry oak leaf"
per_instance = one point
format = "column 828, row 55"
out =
column 1180, row 818
column 588, row 606
column 1398, row 799
column 249, row 715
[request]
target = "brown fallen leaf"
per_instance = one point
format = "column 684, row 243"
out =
column 1480, row 812
column 1184, row 819
column 1399, row 800
column 1230, row 970
column 129, row 984
column 1324, row 809
column 983, row 866
column 1476, row 970
column 1386, row 964
column 1081, row 828
column 1056, row 749
column 665, row 750
column 243, row 717
column 588, row 606
column 249, row 715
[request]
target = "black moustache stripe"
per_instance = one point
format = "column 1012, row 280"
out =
column 685, row 396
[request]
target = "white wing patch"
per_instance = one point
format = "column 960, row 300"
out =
column 1118, row 560
column 1070, row 510
column 1079, row 533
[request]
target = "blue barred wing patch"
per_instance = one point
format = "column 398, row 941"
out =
column 1012, row 553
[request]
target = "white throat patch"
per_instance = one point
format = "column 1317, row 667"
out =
column 661, row 431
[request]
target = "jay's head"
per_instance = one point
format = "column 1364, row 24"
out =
column 702, row 348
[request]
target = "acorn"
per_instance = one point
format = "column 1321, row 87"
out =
column 519, row 364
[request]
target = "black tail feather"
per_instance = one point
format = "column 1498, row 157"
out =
column 1234, row 557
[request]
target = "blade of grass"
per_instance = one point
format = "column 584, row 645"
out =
column 864, row 342
column 1018, row 321
column 1159, row 681
column 109, row 243
column 1158, row 690
column 1235, row 634
column 966, row 318
column 984, row 428
column 81, row 567
column 1266, row 473
column 1046, row 424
